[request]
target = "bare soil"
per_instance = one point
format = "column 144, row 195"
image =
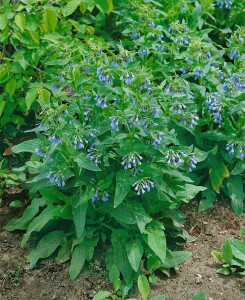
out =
column 198, row 273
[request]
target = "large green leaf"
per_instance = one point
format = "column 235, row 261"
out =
column 102, row 295
column 20, row 21
column 83, row 251
column 44, row 95
column 217, row 176
column 30, row 212
column 11, row 86
column 79, row 212
column 71, row 6
column 118, row 239
column 238, row 249
column 46, row 246
column 85, row 163
column 39, row 222
column 143, row 286
column 3, row 21
column 27, row 146
column 157, row 242
column 123, row 186
column 190, row 192
column 235, row 192
column 50, row 19
column 123, row 214
column 209, row 198
column 134, row 251
column 226, row 252
column 140, row 214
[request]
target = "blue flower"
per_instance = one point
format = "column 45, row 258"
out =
column 230, row 148
column 131, row 161
column 174, row 158
column 114, row 123
column 224, row 3
column 143, row 185
column 57, row 178
column 128, row 77
column 198, row 72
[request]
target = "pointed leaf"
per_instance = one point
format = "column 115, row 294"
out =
column 85, row 163
column 123, row 186
column 235, row 192
column 102, row 295
column 134, row 252
column 143, row 286
column 157, row 242
column 46, row 246
column 226, row 252
column 79, row 212
column 50, row 19
column 217, row 176
column 20, row 21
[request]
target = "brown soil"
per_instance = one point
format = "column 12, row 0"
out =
column 198, row 273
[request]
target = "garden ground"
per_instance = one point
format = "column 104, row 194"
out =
column 198, row 273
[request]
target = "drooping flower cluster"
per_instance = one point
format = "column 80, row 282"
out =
column 215, row 107
column 174, row 158
column 54, row 140
column 190, row 120
column 143, row 185
column 93, row 154
column 230, row 148
column 57, row 178
column 236, row 147
column 234, row 83
column 128, row 78
column 198, row 72
column 224, row 3
column 157, row 138
column 131, row 160
column 100, row 195
column 192, row 161
column 79, row 143
column 177, row 108
column 104, row 77
column 114, row 123
column 101, row 101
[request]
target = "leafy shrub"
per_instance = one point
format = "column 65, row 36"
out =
column 128, row 131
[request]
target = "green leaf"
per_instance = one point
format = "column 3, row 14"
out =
column 217, row 176
column 46, row 246
column 11, row 86
column 79, row 212
column 39, row 222
column 157, row 242
column 77, row 261
column 2, row 105
column 235, row 192
column 71, row 7
column 84, row 251
column 110, row 8
column 226, row 251
column 238, row 249
column 180, row 256
column 15, row 203
column 206, row 202
column 44, row 95
column 31, row 96
column 118, row 239
column 105, row 183
column 102, row 5
column 20, row 21
column 190, row 192
column 114, row 273
column 27, row 146
column 123, row 186
column 143, row 286
column 3, row 21
column 83, row 8
column 30, row 212
column 134, row 251
column 140, row 214
column 50, row 19
column 158, row 297
column 123, row 214
column 64, row 253
column 102, row 295
column 199, row 296
column 217, row 256
column 224, row 271
column 85, row 163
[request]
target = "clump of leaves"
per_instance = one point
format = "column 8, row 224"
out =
column 232, row 257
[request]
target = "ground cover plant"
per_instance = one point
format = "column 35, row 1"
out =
column 133, row 122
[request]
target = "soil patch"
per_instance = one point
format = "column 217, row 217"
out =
column 198, row 273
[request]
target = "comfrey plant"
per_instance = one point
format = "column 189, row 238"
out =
column 109, row 164
column 127, row 132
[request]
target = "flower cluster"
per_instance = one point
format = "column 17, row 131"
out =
column 93, row 154
column 57, row 178
column 157, row 138
column 192, row 161
column 128, row 78
column 177, row 108
column 79, row 143
column 104, row 77
column 143, row 185
column 54, row 140
column 99, row 195
column 39, row 152
column 131, row 161
column 224, row 3
column 230, row 148
column 114, row 123
column 198, row 72
column 215, row 107
column 101, row 101
column 234, row 53
column 174, row 158
column 190, row 120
